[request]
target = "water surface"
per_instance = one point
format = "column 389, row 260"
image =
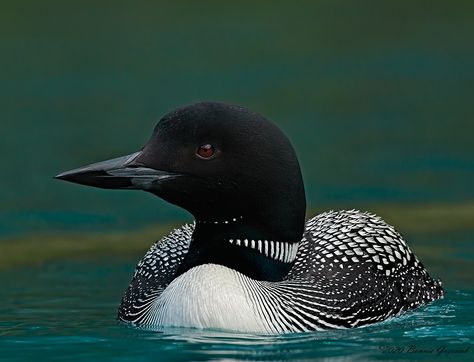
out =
column 68, row 309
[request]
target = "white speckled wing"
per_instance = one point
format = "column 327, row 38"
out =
column 351, row 269
column 154, row 272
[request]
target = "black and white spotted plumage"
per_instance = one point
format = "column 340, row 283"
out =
column 351, row 269
column 154, row 272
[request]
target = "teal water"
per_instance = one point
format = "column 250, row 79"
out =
column 67, row 309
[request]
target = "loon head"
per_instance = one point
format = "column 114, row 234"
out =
column 234, row 170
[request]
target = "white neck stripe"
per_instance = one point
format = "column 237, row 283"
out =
column 278, row 250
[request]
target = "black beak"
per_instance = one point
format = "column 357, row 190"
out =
column 119, row 173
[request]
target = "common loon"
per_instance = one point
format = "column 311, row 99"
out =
column 250, row 262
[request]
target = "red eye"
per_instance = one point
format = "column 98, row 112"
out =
column 206, row 151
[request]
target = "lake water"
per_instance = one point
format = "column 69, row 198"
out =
column 67, row 309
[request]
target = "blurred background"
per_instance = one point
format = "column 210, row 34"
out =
column 375, row 96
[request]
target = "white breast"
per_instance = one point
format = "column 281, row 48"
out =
column 208, row 296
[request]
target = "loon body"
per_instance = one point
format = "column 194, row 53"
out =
column 250, row 262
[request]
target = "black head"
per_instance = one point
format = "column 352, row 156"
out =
column 235, row 171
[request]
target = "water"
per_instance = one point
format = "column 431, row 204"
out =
column 67, row 308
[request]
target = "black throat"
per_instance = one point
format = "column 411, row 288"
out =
column 222, row 242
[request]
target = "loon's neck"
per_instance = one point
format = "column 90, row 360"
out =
column 245, row 244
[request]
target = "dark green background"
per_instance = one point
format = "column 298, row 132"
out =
column 377, row 97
